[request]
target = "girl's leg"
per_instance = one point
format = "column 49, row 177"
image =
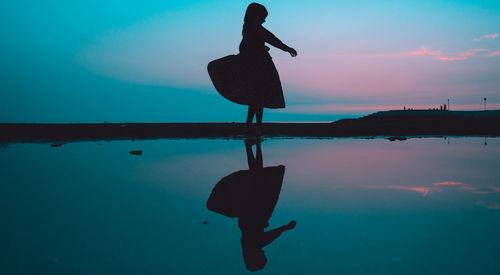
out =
column 259, row 111
column 250, row 114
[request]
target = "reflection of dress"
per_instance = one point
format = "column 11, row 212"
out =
column 248, row 194
column 250, row 78
column 251, row 195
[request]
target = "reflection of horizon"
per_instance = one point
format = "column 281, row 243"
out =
column 251, row 195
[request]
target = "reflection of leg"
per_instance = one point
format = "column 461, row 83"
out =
column 252, row 163
column 250, row 114
column 271, row 235
column 258, row 155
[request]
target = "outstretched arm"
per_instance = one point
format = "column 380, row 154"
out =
column 271, row 235
column 270, row 38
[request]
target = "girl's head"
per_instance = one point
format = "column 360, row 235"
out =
column 254, row 259
column 255, row 14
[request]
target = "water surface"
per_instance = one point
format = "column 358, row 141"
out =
column 362, row 206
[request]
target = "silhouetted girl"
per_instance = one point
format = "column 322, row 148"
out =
column 250, row 78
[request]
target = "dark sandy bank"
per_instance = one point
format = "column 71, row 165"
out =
column 389, row 123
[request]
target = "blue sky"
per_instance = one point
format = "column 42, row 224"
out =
column 136, row 61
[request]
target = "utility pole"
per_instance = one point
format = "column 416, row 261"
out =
column 484, row 103
column 448, row 104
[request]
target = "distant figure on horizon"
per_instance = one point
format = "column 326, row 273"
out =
column 251, row 195
column 250, row 78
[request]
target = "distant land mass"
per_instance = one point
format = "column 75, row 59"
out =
column 397, row 123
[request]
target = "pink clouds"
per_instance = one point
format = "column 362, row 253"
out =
column 473, row 52
column 448, row 183
column 479, row 50
column 425, row 190
column 487, row 36
column 462, row 55
column 464, row 186
column 420, row 189
column 449, row 58
column 362, row 75
column 435, row 54
column 467, row 54
column 423, row 51
column 438, row 54
column 353, row 74
column 494, row 53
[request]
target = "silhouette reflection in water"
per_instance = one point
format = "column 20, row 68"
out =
column 251, row 195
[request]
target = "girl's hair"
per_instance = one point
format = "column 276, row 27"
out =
column 255, row 14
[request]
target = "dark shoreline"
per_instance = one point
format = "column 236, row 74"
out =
column 385, row 124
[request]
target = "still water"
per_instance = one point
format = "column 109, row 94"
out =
column 361, row 206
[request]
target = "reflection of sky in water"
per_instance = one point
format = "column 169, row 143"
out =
column 361, row 206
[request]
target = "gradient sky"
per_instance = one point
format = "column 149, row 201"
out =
column 137, row 61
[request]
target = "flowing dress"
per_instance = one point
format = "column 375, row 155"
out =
column 250, row 77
